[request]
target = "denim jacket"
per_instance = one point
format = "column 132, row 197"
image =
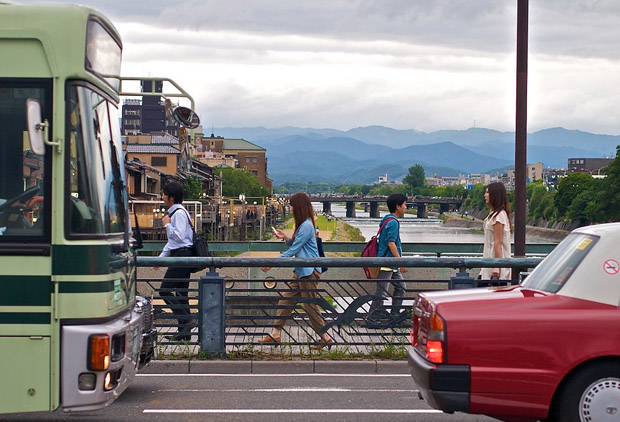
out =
column 304, row 246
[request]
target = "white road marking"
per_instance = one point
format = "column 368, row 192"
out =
column 296, row 411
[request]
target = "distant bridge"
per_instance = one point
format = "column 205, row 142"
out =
column 421, row 202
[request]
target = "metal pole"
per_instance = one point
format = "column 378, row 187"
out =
column 521, row 130
column 211, row 321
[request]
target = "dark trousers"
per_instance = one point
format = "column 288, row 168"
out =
column 173, row 291
column 395, row 278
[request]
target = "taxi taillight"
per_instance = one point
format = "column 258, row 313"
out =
column 435, row 344
column 434, row 351
column 98, row 352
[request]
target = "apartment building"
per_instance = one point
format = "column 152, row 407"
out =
column 217, row 150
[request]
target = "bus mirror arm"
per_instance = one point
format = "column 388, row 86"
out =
column 38, row 129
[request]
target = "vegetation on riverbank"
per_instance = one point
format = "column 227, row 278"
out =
column 348, row 233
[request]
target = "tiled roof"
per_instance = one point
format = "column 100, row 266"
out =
column 163, row 138
column 152, row 149
column 240, row 144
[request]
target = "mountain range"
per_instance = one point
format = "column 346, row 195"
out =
column 361, row 155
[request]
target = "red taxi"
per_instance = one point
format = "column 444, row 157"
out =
column 548, row 349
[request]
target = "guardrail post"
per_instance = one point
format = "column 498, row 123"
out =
column 211, row 324
column 462, row 280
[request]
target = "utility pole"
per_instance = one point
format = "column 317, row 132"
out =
column 521, row 131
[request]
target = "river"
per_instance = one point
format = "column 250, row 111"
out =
column 415, row 230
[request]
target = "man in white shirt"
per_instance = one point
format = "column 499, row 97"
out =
column 180, row 243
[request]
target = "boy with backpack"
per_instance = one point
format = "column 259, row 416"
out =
column 389, row 246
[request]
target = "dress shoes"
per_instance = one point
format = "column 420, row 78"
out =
column 322, row 343
column 269, row 339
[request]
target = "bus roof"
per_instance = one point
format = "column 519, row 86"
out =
column 43, row 41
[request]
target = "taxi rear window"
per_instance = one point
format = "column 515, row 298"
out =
column 552, row 273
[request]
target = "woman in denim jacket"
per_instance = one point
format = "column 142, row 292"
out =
column 306, row 279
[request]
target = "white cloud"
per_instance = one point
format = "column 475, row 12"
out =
column 419, row 64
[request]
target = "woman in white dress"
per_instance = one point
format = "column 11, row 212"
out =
column 497, row 230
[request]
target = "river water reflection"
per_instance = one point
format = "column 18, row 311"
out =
column 413, row 229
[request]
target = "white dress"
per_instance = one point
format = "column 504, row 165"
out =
column 489, row 244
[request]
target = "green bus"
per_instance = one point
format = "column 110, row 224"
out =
column 72, row 331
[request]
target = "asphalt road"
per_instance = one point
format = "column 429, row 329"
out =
column 264, row 397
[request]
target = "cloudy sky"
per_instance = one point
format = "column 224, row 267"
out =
column 408, row 64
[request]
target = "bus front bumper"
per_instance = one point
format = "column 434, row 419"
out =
column 84, row 389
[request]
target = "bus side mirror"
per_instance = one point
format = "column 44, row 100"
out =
column 37, row 130
column 186, row 117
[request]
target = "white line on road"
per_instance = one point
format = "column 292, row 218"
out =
column 286, row 390
column 279, row 375
column 296, row 411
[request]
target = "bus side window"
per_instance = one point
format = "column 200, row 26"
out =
column 22, row 171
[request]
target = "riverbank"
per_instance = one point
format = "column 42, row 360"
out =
column 552, row 235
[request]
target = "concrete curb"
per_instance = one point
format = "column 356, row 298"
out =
column 276, row 367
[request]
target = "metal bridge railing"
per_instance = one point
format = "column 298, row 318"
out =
column 231, row 315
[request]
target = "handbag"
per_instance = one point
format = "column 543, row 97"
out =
column 201, row 247
column 319, row 246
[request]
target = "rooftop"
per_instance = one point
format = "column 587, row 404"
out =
column 240, row 144
column 152, row 149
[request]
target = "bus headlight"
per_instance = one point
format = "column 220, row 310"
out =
column 87, row 381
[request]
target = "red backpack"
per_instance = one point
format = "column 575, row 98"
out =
column 370, row 250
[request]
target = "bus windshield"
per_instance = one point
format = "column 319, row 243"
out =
column 96, row 199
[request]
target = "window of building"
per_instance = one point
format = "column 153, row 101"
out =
column 159, row 161
column 255, row 159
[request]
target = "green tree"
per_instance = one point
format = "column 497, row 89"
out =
column 545, row 208
column 241, row 181
column 584, row 208
column 416, row 177
column 453, row 191
column 538, row 199
column 568, row 190
column 476, row 198
column 609, row 195
column 192, row 188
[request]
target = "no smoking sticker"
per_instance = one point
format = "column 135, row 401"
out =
column 611, row 267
